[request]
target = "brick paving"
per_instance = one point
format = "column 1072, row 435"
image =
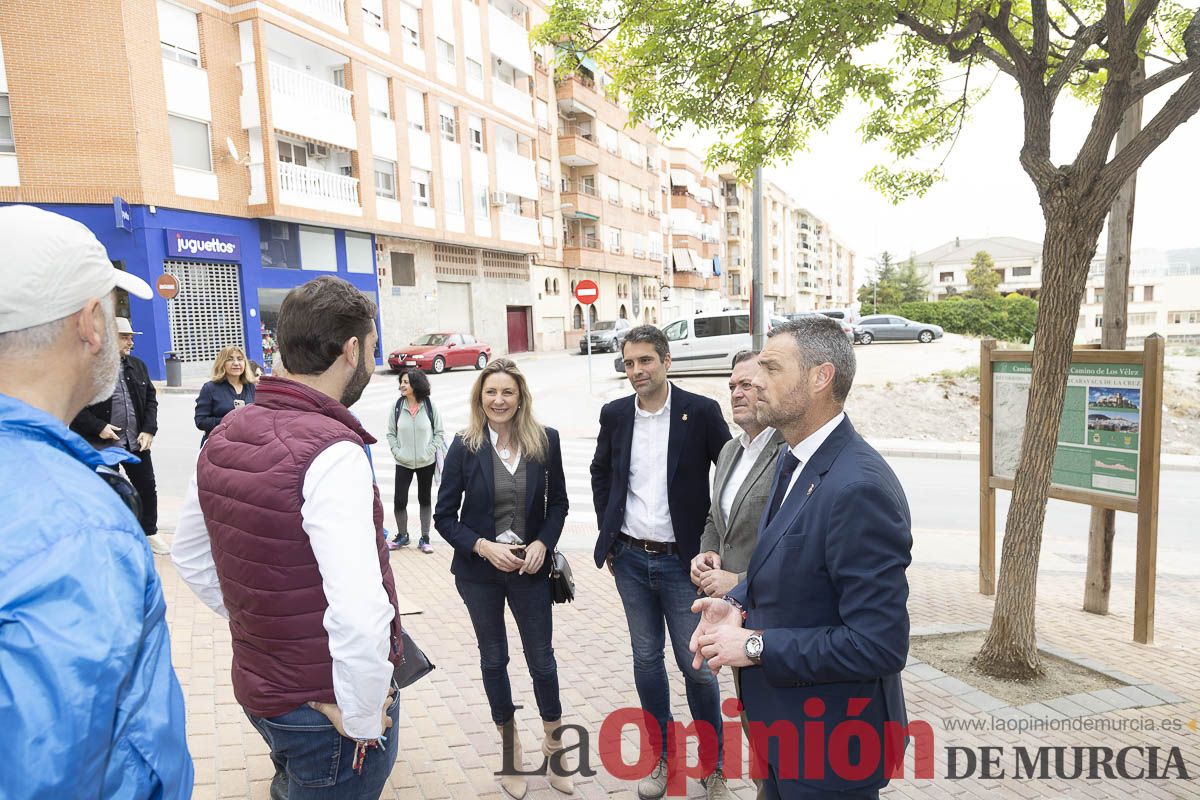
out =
column 449, row 748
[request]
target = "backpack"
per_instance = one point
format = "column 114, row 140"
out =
column 439, row 455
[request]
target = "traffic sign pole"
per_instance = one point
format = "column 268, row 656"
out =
column 587, row 292
column 587, row 332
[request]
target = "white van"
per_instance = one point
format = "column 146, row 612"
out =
column 707, row 342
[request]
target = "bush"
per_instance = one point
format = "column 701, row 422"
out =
column 1012, row 318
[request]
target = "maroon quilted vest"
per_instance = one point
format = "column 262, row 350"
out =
column 250, row 474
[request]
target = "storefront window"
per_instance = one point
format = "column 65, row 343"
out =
column 269, row 301
column 280, row 244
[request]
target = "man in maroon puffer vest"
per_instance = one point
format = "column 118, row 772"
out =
column 281, row 532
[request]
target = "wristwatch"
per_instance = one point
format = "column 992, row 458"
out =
column 754, row 647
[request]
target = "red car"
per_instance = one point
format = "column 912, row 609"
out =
column 438, row 352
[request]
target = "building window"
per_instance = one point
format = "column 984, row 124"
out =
column 420, row 188
column 190, row 143
column 446, row 123
column 735, row 284
column 404, row 269
column 474, row 70
column 1099, row 322
column 379, row 94
column 482, row 209
column 1099, row 296
column 292, row 153
column 445, row 52
column 475, row 129
column 1183, row 317
column 372, row 11
column 178, row 34
column 7, row 143
column 453, row 200
column 946, row 277
column 360, row 253
column 173, row 52
column 1143, row 318
column 385, row 178
column 1147, row 291
column 410, row 23
column 415, row 104
column 1022, row 272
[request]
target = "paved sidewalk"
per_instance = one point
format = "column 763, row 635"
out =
column 448, row 746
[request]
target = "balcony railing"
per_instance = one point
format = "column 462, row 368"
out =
column 319, row 95
column 575, row 130
column 330, row 11
column 545, row 182
column 317, row 184
column 579, row 187
column 585, row 242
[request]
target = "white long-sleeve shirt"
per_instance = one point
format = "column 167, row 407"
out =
column 338, row 516
column 647, row 509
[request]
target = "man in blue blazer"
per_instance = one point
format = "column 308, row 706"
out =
column 819, row 627
column 650, row 488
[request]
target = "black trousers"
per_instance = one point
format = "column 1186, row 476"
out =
column 404, row 477
column 142, row 477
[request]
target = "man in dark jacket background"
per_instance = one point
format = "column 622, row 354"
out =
column 129, row 420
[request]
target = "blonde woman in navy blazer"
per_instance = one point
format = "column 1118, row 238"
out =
column 504, row 474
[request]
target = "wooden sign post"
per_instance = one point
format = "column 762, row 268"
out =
column 1109, row 446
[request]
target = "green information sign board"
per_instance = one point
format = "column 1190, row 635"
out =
column 1098, row 434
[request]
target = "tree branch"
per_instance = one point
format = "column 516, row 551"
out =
column 955, row 54
column 1067, row 7
column 1178, row 109
column 1084, row 41
column 1140, row 16
column 998, row 27
column 1162, row 78
column 1041, row 31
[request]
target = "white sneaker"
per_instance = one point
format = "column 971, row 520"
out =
column 654, row 785
column 158, row 545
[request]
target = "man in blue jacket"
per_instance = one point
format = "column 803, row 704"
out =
column 650, row 489
column 89, row 703
column 819, row 627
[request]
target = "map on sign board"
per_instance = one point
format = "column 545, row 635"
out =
column 1098, row 433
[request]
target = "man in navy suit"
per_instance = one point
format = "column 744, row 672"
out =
column 819, row 627
column 650, row 488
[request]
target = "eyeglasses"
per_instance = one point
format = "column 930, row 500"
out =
column 124, row 489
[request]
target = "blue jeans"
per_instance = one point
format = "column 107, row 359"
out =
column 657, row 589
column 530, row 600
column 318, row 762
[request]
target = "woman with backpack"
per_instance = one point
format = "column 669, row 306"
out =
column 415, row 436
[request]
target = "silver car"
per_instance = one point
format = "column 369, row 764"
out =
column 891, row 328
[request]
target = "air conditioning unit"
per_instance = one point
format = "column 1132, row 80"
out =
column 317, row 150
column 499, row 199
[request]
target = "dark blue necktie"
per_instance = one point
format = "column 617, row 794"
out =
column 789, row 463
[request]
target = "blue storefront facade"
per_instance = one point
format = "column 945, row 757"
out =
column 232, row 274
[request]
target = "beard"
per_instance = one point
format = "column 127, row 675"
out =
column 358, row 381
column 108, row 363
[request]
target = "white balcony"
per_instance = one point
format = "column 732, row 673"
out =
column 509, row 41
column 331, row 12
column 512, row 100
column 516, row 175
column 317, row 189
column 515, row 228
column 311, row 107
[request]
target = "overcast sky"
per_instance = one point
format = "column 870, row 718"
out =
column 985, row 192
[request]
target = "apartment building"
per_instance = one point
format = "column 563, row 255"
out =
column 1018, row 262
column 246, row 148
column 607, row 174
column 1163, row 297
column 693, row 236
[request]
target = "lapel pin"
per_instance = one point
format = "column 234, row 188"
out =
column 811, row 486
column 684, row 418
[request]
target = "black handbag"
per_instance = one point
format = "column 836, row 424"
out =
column 562, row 582
column 414, row 665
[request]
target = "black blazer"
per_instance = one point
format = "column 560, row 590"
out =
column 698, row 432
column 90, row 421
column 465, row 508
column 215, row 401
column 827, row 585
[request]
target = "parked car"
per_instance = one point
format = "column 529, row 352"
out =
column 847, row 314
column 707, row 342
column 438, row 352
column 606, row 336
column 847, row 328
column 891, row 328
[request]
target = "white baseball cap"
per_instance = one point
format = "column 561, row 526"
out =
column 50, row 266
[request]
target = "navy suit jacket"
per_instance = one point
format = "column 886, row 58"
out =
column 466, row 509
column 698, row 432
column 826, row 583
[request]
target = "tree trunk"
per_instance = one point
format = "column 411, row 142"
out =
column 1103, row 528
column 1010, row 650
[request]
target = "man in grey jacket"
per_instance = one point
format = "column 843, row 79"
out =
column 741, row 489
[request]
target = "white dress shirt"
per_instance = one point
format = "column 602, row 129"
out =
column 338, row 516
column 807, row 447
column 647, row 512
column 512, row 468
column 751, row 450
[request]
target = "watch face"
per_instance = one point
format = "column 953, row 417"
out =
column 754, row 646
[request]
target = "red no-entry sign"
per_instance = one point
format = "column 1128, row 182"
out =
column 587, row 292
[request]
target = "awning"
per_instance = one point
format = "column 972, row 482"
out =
column 716, row 265
column 681, row 177
column 581, row 215
column 682, row 259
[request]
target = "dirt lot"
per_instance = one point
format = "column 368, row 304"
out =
column 906, row 390
column 939, row 399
